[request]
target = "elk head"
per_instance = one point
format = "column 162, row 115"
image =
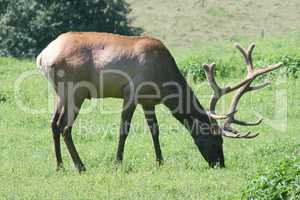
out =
column 214, row 153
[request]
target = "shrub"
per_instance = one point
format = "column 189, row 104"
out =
column 230, row 66
column 292, row 66
column 281, row 182
column 192, row 67
column 27, row 26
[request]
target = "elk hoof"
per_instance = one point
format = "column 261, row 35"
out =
column 60, row 167
column 81, row 168
column 160, row 162
column 118, row 161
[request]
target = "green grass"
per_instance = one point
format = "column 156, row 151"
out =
column 190, row 30
column 27, row 169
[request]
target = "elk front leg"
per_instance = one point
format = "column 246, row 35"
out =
column 126, row 116
column 67, row 120
column 56, row 134
column 150, row 116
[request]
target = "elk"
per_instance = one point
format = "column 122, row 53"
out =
column 139, row 70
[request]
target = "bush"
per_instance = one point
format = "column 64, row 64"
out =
column 233, row 67
column 282, row 182
column 292, row 66
column 27, row 26
column 192, row 67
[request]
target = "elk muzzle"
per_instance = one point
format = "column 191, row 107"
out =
column 211, row 148
column 220, row 162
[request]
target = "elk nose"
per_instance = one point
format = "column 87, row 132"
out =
column 213, row 164
column 216, row 164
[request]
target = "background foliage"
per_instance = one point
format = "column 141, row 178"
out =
column 280, row 182
column 27, row 26
column 230, row 63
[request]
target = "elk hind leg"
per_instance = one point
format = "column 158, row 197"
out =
column 68, row 117
column 56, row 134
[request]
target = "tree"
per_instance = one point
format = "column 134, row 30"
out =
column 27, row 26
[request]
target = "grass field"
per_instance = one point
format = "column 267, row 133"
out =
column 191, row 23
column 27, row 169
column 192, row 30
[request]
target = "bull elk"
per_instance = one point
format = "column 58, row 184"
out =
column 139, row 70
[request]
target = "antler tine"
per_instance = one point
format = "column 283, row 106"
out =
column 267, row 69
column 237, row 86
column 247, row 53
column 232, row 133
column 247, row 135
column 219, row 117
column 210, row 75
column 242, row 123
column 257, row 87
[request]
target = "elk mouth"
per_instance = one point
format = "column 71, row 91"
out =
column 219, row 162
column 214, row 160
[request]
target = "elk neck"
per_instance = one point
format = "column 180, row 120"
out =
column 186, row 108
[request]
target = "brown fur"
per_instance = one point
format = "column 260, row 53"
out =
column 83, row 56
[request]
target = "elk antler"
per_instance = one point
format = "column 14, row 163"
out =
column 242, row 87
